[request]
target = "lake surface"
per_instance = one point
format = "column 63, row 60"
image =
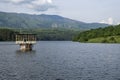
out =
column 60, row 60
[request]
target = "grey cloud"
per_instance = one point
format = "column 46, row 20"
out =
column 43, row 7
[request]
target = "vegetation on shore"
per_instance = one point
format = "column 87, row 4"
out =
column 54, row 34
column 109, row 34
column 7, row 34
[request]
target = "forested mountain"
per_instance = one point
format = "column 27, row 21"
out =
column 109, row 34
column 47, row 27
column 19, row 20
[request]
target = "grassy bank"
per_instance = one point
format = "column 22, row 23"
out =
column 110, row 39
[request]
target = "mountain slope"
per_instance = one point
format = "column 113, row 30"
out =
column 15, row 20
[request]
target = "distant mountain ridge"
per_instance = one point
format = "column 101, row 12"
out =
column 20, row 20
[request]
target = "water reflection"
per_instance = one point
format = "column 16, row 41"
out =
column 27, row 53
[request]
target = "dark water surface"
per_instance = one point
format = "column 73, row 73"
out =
column 60, row 60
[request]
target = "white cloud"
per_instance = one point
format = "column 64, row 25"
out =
column 39, row 2
column 49, row 1
column 37, row 5
column 108, row 21
column 103, row 21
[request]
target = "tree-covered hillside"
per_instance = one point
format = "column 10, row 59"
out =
column 47, row 27
column 27, row 21
column 109, row 34
column 7, row 34
column 42, row 34
column 52, row 34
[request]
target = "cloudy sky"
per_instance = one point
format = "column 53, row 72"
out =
column 103, row 11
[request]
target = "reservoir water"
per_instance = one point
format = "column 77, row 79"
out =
column 60, row 60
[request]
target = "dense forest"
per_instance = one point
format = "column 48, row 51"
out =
column 109, row 34
column 53, row 34
column 7, row 34
column 42, row 34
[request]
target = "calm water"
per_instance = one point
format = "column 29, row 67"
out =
column 60, row 60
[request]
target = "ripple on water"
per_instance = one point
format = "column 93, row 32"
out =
column 63, row 60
